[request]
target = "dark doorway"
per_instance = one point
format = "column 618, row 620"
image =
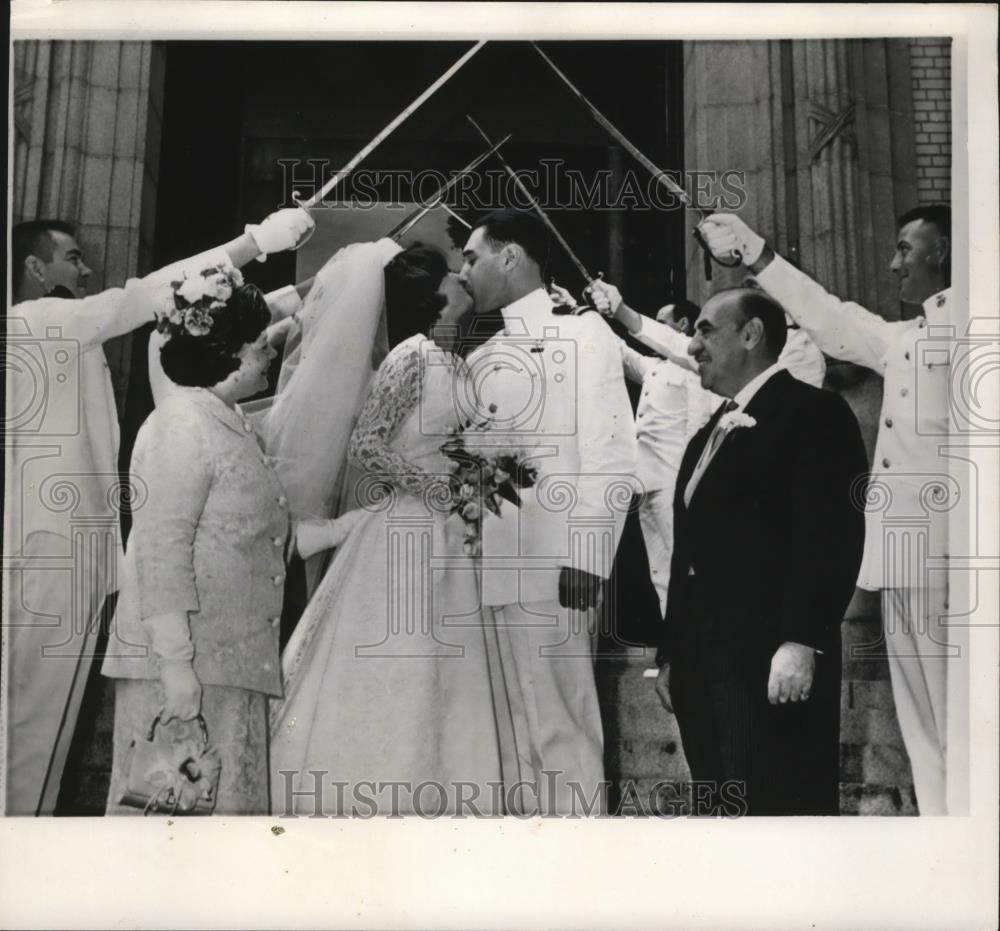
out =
column 229, row 137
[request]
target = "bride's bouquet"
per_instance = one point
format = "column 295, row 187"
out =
column 482, row 481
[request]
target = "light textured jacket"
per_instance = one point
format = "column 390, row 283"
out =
column 208, row 537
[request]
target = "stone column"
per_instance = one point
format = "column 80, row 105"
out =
column 732, row 101
column 823, row 133
column 87, row 121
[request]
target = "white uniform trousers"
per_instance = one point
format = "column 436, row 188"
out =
column 928, row 667
column 656, row 517
column 542, row 666
column 53, row 626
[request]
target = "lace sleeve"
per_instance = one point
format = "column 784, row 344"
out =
column 395, row 392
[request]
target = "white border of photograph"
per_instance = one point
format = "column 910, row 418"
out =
column 683, row 873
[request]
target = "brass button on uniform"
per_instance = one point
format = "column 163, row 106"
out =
column 278, row 541
column 282, row 501
column 275, row 621
column 278, row 579
column 885, row 463
column 888, row 422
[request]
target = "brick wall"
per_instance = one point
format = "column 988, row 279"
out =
column 930, row 63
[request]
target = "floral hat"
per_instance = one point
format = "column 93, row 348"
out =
column 196, row 300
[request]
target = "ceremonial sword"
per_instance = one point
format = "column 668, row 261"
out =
column 660, row 175
column 402, row 228
column 542, row 215
column 381, row 137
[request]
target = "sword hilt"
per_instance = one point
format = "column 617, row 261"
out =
column 707, row 255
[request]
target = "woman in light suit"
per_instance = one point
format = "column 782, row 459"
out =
column 196, row 630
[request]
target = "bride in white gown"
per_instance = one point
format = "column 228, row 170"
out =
column 389, row 706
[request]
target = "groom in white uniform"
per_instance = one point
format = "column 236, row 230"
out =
column 552, row 385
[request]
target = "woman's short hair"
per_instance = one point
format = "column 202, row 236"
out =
column 204, row 361
column 412, row 302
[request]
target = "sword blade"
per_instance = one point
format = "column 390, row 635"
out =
column 406, row 224
column 542, row 215
column 382, row 136
column 606, row 124
column 451, row 212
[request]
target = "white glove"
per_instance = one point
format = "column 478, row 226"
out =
column 283, row 229
column 606, row 297
column 182, row 691
column 314, row 536
column 726, row 236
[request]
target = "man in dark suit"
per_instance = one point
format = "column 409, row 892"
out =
column 768, row 536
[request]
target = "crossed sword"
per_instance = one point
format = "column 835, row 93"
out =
column 437, row 199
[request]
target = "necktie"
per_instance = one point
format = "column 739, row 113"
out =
column 715, row 439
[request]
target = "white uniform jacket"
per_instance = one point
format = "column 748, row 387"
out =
column 559, row 393
column 910, row 492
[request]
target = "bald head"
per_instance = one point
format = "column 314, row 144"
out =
column 740, row 332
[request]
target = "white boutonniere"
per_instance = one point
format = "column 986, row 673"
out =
column 734, row 419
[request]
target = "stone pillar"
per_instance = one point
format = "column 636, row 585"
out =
column 86, row 149
column 732, row 101
column 822, row 131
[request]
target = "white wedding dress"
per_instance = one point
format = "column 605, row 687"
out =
column 389, row 704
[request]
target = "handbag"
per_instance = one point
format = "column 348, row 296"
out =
column 171, row 773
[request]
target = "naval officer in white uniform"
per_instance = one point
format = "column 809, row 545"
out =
column 555, row 387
